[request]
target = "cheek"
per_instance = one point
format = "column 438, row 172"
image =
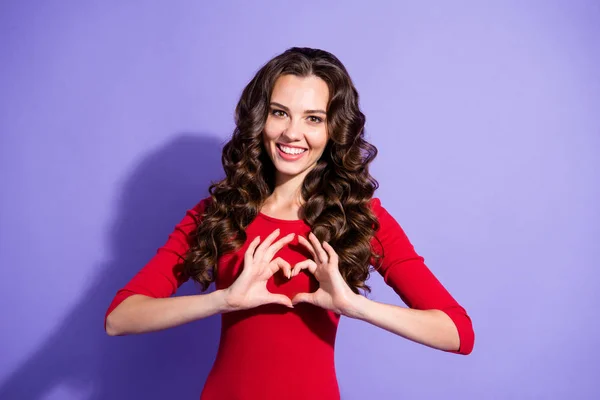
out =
column 272, row 129
column 318, row 139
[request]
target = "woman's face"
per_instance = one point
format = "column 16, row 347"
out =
column 295, row 133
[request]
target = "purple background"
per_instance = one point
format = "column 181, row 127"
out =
column 112, row 115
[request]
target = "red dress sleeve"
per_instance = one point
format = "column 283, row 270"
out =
column 159, row 277
column 405, row 272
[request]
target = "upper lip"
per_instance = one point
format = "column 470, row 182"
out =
column 293, row 147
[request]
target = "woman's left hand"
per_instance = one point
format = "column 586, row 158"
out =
column 333, row 294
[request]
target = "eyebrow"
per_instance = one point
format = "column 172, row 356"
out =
column 305, row 111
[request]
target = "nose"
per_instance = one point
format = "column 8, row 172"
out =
column 293, row 130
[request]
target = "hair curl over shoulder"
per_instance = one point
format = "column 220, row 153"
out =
column 336, row 192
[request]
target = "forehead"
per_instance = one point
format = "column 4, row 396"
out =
column 302, row 92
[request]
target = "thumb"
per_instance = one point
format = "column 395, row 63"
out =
column 303, row 298
column 281, row 299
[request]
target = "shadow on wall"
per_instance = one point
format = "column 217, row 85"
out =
column 79, row 360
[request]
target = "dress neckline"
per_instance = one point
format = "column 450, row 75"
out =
column 279, row 220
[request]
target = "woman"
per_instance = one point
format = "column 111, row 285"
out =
column 288, row 237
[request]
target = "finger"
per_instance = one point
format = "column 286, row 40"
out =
column 302, row 240
column 278, row 245
column 323, row 258
column 333, row 257
column 266, row 243
column 280, row 299
column 280, row 263
column 250, row 250
column 303, row 298
column 306, row 264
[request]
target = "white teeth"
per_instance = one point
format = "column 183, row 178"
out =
column 291, row 150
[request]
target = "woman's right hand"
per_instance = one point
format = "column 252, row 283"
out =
column 250, row 288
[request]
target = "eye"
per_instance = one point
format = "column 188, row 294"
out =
column 316, row 120
column 278, row 113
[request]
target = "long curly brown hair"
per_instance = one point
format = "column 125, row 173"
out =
column 336, row 192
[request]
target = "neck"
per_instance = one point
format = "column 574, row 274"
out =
column 287, row 189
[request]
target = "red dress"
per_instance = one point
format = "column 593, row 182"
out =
column 255, row 359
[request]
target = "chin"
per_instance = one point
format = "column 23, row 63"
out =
column 290, row 171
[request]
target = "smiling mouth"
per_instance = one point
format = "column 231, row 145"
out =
column 292, row 151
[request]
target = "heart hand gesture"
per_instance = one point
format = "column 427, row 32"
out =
column 250, row 288
column 333, row 294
